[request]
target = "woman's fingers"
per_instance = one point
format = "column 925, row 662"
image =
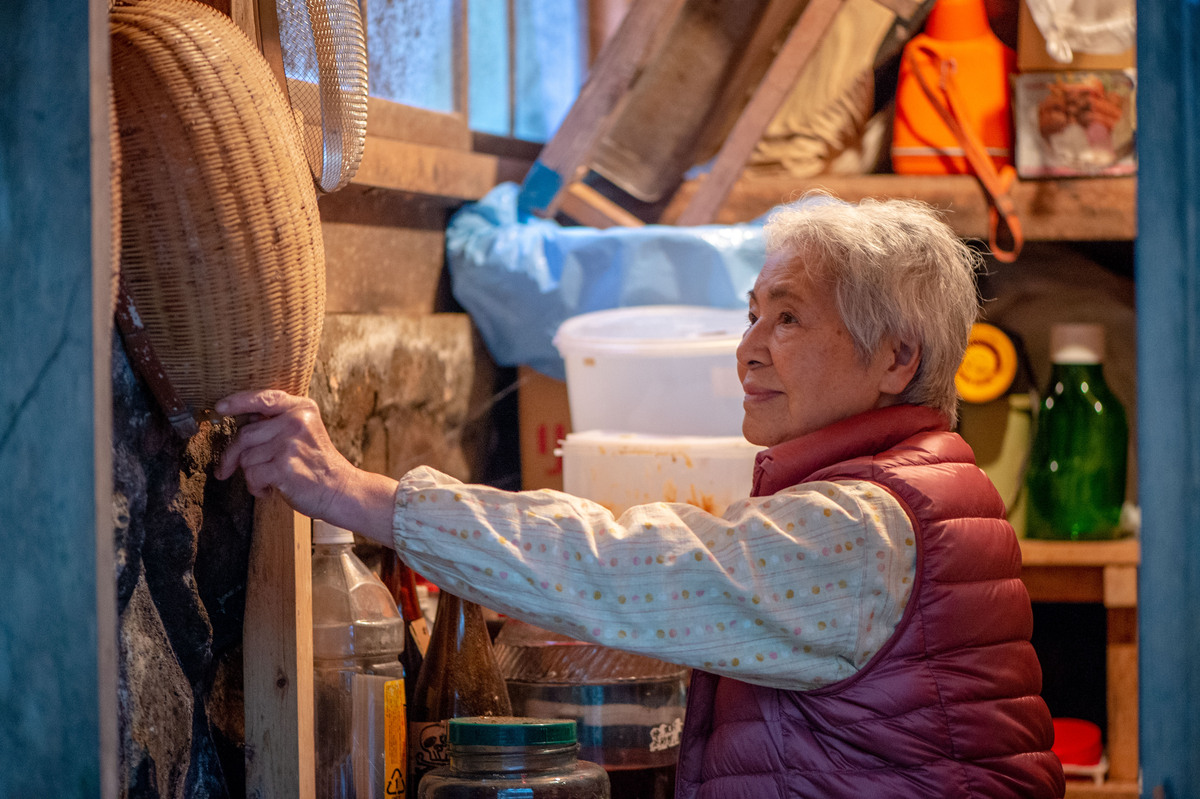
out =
column 281, row 418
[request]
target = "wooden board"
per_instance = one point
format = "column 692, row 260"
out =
column 278, row 657
column 1084, row 209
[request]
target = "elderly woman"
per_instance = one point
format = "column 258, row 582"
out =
column 857, row 627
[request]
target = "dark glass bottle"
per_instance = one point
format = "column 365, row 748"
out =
column 1076, row 476
column 460, row 677
column 401, row 582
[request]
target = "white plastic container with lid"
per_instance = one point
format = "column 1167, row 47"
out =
column 358, row 682
column 620, row 470
column 657, row 369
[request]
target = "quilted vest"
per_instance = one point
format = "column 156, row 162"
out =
column 950, row 706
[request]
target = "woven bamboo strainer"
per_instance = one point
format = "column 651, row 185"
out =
column 222, row 267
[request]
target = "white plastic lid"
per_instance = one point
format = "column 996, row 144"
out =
column 1077, row 343
column 653, row 329
column 326, row 533
column 616, row 442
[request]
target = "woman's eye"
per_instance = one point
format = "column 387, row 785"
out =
column 751, row 318
column 787, row 318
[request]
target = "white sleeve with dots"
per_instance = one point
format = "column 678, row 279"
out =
column 794, row 590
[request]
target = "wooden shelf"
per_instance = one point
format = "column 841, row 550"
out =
column 1108, row 790
column 1103, row 572
column 1079, row 209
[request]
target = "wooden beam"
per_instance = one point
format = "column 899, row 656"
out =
column 391, row 120
column 1080, row 209
column 450, row 175
column 590, row 208
column 801, row 42
column 614, row 71
column 277, row 660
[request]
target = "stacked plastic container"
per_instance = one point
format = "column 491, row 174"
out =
column 656, row 406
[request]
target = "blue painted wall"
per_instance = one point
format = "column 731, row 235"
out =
column 1168, row 286
column 53, row 703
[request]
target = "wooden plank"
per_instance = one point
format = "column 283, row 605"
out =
column 1122, row 691
column 774, row 88
column 450, row 175
column 277, row 655
column 1125, row 551
column 611, row 75
column 1079, row 789
column 1120, row 586
column 590, row 208
column 1063, row 583
column 759, row 52
column 59, row 732
column 1084, row 209
column 904, row 9
column 385, row 251
column 390, row 120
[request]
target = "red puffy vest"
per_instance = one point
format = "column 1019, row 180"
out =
column 950, row 706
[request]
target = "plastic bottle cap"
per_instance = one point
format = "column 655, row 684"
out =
column 1076, row 343
column 326, row 533
column 989, row 365
column 510, row 731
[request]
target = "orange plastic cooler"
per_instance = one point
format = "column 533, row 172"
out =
column 957, row 39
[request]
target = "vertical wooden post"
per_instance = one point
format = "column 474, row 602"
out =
column 58, row 600
column 277, row 655
column 1168, row 349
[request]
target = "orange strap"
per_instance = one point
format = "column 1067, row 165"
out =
column 1002, row 212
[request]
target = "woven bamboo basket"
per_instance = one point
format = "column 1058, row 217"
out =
column 222, row 265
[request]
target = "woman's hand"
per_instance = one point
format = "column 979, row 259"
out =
column 287, row 449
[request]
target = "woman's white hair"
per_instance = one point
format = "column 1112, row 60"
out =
column 897, row 269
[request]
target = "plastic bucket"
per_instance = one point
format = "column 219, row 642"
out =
column 656, row 369
column 620, row 470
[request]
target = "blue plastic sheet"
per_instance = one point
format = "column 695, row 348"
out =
column 520, row 276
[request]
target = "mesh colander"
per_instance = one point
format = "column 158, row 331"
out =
column 222, row 272
column 324, row 60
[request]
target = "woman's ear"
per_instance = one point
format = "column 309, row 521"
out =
column 901, row 360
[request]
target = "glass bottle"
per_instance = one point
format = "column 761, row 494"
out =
column 401, row 582
column 532, row 758
column 1076, row 476
column 358, row 680
column 460, row 677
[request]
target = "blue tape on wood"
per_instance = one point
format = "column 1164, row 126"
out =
column 542, row 184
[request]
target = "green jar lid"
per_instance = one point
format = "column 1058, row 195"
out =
column 510, row 731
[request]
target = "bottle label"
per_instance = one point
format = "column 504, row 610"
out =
column 419, row 630
column 427, row 747
column 395, row 750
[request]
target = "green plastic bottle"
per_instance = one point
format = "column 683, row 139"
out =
column 1076, row 476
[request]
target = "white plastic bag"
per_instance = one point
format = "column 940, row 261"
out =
column 1088, row 26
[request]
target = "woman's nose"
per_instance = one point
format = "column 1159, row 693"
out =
column 751, row 350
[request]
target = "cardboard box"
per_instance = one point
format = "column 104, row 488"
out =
column 1032, row 55
column 1075, row 124
column 544, row 419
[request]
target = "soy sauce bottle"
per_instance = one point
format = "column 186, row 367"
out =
column 459, row 677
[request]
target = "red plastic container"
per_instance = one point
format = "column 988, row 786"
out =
column 1077, row 742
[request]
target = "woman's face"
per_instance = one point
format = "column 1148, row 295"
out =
column 797, row 362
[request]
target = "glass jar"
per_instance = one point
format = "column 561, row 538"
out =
column 507, row 756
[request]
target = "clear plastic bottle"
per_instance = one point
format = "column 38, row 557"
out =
column 358, row 681
column 505, row 756
column 1076, row 476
